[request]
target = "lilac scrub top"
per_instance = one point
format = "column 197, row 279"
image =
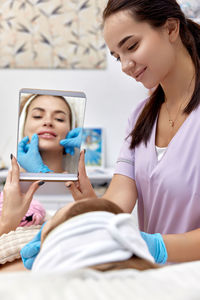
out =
column 168, row 190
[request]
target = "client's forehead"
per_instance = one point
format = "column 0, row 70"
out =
column 87, row 205
column 48, row 101
column 97, row 204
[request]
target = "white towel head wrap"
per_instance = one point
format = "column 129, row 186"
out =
column 91, row 239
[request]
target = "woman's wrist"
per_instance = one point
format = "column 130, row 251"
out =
column 3, row 227
column 6, row 226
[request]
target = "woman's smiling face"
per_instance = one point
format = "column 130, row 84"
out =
column 49, row 117
column 145, row 53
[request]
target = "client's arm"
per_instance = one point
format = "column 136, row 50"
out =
column 15, row 203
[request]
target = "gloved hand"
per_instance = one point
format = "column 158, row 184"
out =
column 30, row 251
column 29, row 156
column 72, row 140
column 156, row 246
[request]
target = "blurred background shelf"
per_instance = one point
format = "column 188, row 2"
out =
column 100, row 176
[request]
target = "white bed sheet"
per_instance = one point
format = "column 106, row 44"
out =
column 179, row 282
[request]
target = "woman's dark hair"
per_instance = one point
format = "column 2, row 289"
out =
column 156, row 13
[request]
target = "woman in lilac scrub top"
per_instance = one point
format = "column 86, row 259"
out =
column 159, row 162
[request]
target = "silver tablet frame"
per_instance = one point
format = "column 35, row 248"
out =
column 26, row 176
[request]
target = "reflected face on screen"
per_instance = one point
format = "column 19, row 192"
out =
column 45, row 118
column 49, row 117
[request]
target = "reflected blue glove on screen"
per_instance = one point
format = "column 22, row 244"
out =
column 72, row 140
column 156, row 246
column 30, row 251
column 29, row 156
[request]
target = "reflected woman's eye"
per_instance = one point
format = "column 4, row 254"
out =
column 59, row 120
column 133, row 46
column 37, row 117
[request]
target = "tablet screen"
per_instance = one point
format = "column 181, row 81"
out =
column 49, row 134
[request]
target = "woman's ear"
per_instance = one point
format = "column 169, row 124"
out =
column 172, row 26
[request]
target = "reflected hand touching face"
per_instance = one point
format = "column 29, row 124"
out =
column 72, row 140
column 49, row 117
column 29, row 156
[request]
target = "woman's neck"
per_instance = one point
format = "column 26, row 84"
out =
column 54, row 160
column 179, row 85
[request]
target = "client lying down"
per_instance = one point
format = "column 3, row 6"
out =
column 91, row 233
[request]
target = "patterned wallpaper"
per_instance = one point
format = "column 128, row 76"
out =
column 191, row 9
column 52, row 34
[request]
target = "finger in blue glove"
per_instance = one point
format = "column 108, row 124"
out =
column 23, row 144
column 156, row 246
column 72, row 140
column 30, row 251
column 29, row 156
column 28, row 262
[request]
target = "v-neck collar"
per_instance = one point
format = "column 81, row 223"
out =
column 173, row 140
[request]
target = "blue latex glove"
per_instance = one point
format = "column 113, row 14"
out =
column 72, row 140
column 156, row 246
column 30, row 251
column 28, row 156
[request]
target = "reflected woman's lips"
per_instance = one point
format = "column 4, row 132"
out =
column 47, row 134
